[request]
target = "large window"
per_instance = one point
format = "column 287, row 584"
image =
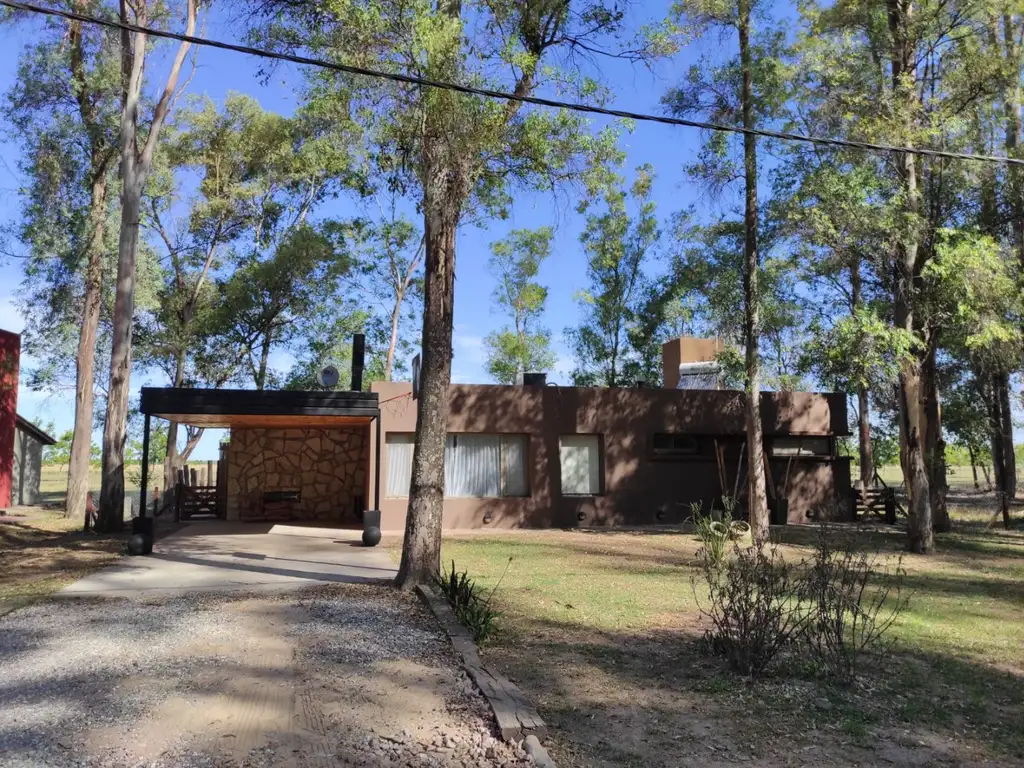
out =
column 802, row 446
column 399, row 460
column 479, row 466
column 580, row 457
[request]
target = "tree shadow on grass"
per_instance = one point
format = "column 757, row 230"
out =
column 644, row 694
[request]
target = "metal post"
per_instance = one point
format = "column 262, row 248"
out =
column 376, row 469
column 145, row 467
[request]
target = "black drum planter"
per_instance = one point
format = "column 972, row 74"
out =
column 371, row 527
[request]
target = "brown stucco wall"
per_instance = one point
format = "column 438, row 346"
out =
column 638, row 488
column 327, row 466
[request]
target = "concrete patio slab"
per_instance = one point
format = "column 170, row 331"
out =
column 218, row 556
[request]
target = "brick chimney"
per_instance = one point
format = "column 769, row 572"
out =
column 10, row 353
column 686, row 349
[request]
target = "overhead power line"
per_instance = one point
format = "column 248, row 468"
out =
column 504, row 95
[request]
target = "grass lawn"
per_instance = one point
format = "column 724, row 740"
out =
column 601, row 630
column 44, row 551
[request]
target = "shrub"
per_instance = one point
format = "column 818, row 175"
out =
column 470, row 608
column 714, row 536
column 752, row 607
column 853, row 604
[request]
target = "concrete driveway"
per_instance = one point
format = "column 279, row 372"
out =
column 219, row 556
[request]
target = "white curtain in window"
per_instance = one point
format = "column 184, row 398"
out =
column 472, row 465
column 579, row 456
column 513, row 458
column 399, row 447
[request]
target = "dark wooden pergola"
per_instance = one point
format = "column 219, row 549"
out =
column 227, row 408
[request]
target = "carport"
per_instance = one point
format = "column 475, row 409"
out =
column 293, row 456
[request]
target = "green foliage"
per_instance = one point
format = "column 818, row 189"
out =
column 387, row 268
column 608, row 343
column 713, row 534
column 860, row 349
column 470, row 608
column 704, row 283
column 515, row 262
column 60, row 452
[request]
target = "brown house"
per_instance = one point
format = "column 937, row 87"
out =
column 521, row 456
column 538, row 456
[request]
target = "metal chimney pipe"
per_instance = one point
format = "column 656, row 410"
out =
column 358, row 355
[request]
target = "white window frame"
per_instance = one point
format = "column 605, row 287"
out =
column 595, row 461
column 507, row 488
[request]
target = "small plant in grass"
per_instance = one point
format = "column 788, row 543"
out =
column 853, row 602
column 714, row 536
column 470, row 608
column 751, row 607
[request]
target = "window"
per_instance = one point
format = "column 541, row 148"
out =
column 802, row 446
column 399, row 459
column 475, row 465
column 672, row 444
column 580, row 457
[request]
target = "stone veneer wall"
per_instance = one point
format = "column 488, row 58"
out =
column 327, row 466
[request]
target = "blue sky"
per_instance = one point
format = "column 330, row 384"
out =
column 633, row 87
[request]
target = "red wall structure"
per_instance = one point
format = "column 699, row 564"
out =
column 10, row 353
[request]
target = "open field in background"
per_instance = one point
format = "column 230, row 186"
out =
column 601, row 630
column 959, row 478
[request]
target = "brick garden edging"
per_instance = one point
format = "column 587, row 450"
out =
column 517, row 718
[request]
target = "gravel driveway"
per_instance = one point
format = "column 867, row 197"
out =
column 333, row 675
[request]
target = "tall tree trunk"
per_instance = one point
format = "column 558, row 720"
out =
column 135, row 166
column 101, row 154
column 85, row 358
column 115, row 429
column 935, row 446
column 757, row 499
column 867, row 462
column 920, row 536
column 995, row 420
column 171, row 458
column 389, row 361
column 1012, row 113
column 974, row 467
column 1005, row 430
column 867, row 459
column 421, row 553
column 261, row 372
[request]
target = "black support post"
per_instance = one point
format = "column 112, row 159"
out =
column 376, row 469
column 145, row 467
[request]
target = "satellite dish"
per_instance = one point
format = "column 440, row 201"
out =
column 328, row 377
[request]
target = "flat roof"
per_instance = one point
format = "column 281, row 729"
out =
column 226, row 408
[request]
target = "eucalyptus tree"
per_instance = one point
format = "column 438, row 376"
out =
column 744, row 90
column 619, row 245
column 457, row 155
column 907, row 73
column 64, row 107
column 515, row 262
column 136, row 162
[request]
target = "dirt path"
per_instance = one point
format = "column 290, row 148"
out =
column 340, row 675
